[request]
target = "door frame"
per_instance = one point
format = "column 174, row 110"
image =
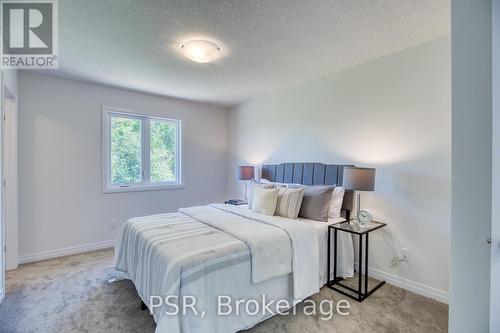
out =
column 495, row 196
column 8, row 175
column 3, row 265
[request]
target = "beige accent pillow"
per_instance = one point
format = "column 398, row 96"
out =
column 264, row 200
column 254, row 185
column 289, row 202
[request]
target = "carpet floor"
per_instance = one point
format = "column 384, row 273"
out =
column 71, row 294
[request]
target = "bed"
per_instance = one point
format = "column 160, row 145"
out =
column 206, row 253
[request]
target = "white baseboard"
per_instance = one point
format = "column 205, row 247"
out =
column 65, row 251
column 415, row 287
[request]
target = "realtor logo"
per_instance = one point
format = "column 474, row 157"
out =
column 29, row 34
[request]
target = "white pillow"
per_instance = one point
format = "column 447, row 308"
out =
column 276, row 184
column 289, row 202
column 265, row 181
column 264, row 200
column 336, row 202
column 255, row 184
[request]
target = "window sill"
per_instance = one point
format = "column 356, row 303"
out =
column 143, row 188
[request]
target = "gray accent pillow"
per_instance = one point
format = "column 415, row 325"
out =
column 316, row 202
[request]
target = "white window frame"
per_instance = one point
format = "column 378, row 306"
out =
column 145, row 185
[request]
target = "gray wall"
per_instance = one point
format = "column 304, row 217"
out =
column 471, row 165
column 60, row 162
column 393, row 114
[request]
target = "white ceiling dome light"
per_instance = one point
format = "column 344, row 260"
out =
column 201, row 51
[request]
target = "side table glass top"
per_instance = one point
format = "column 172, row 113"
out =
column 354, row 227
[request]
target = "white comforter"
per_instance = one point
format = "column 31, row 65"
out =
column 278, row 246
column 270, row 248
column 170, row 254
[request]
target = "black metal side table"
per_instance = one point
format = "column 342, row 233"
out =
column 354, row 228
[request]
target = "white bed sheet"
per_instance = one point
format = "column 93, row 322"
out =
column 235, row 282
column 345, row 256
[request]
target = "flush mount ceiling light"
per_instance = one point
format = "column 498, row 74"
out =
column 201, row 51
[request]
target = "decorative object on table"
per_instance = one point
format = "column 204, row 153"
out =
column 359, row 179
column 336, row 284
column 236, row 202
column 364, row 216
column 245, row 173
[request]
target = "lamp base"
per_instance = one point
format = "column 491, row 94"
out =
column 245, row 190
column 358, row 203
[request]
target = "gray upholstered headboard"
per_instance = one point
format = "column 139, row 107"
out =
column 309, row 174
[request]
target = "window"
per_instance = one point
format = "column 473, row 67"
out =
column 140, row 152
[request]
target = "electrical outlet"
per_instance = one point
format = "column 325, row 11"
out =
column 405, row 254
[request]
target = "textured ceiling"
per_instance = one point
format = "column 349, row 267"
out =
column 267, row 45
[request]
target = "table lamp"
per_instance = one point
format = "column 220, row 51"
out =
column 359, row 179
column 245, row 173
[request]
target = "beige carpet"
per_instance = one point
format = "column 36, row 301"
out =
column 71, row 294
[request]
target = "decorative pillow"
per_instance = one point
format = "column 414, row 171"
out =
column 316, row 202
column 336, row 202
column 289, row 202
column 254, row 185
column 264, row 200
column 276, row 184
column 296, row 186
